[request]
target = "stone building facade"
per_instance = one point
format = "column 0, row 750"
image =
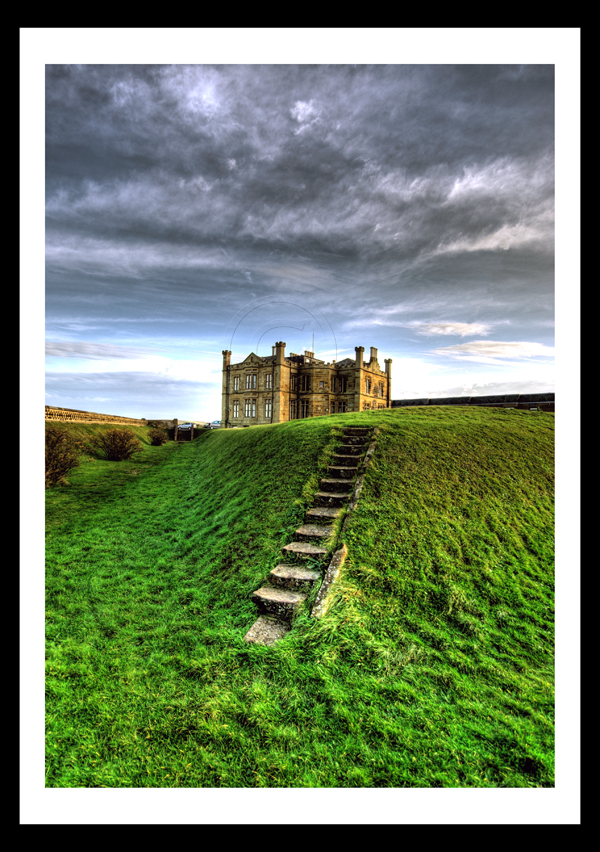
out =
column 277, row 388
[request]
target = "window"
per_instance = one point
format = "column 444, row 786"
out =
column 342, row 385
column 381, row 389
column 321, row 384
column 293, row 409
column 367, row 385
column 269, row 381
column 250, row 381
column 305, row 384
column 236, row 408
column 236, row 383
column 268, row 407
column 250, row 408
column 294, row 385
column 304, row 404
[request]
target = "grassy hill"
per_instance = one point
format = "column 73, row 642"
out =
column 432, row 668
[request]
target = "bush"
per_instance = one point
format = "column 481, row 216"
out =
column 158, row 437
column 117, row 444
column 62, row 454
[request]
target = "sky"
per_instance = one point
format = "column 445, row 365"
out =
column 192, row 208
column 185, row 191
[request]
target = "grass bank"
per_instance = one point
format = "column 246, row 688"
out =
column 433, row 667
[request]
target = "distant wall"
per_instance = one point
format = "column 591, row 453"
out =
column 71, row 415
column 173, row 430
column 541, row 401
column 162, row 424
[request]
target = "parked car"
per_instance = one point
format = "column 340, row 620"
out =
column 215, row 424
column 185, row 426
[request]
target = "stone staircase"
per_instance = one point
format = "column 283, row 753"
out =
column 291, row 582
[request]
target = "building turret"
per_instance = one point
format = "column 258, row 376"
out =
column 225, row 395
column 280, row 382
column 388, row 370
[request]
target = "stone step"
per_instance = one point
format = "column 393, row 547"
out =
column 311, row 532
column 345, row 460
column 339, row 472
column 340, row 486
column 356, row 440
column 267, row 630
column 293, row 577
column 323, row 514
column 357, row 430
column 330, row 498
column 282, row 603
column 352, row 449
column 304, row 550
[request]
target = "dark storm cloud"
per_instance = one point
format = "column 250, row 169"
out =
column 341, row 160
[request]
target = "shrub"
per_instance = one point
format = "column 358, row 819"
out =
column 158, row 437
column 117, row 444
column 62, row 454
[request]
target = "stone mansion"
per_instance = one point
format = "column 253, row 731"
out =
column 279, row 387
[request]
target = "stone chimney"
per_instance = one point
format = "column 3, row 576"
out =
column 359, row 356
column 226, row 358
column 279, row 352
column 373, row 354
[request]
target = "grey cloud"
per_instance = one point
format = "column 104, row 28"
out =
column 95, row 351
column 495, row 350
column 462, row 329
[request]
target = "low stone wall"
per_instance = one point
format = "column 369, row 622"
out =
column 74, row 415
column 162, row 424
column 541, row 401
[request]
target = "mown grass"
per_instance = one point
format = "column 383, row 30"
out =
column 432, row 668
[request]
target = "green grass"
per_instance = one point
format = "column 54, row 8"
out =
column 432, row 668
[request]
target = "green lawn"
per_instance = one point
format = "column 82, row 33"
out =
column 434, row 667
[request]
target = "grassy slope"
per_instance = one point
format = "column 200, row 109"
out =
column 433, row 667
